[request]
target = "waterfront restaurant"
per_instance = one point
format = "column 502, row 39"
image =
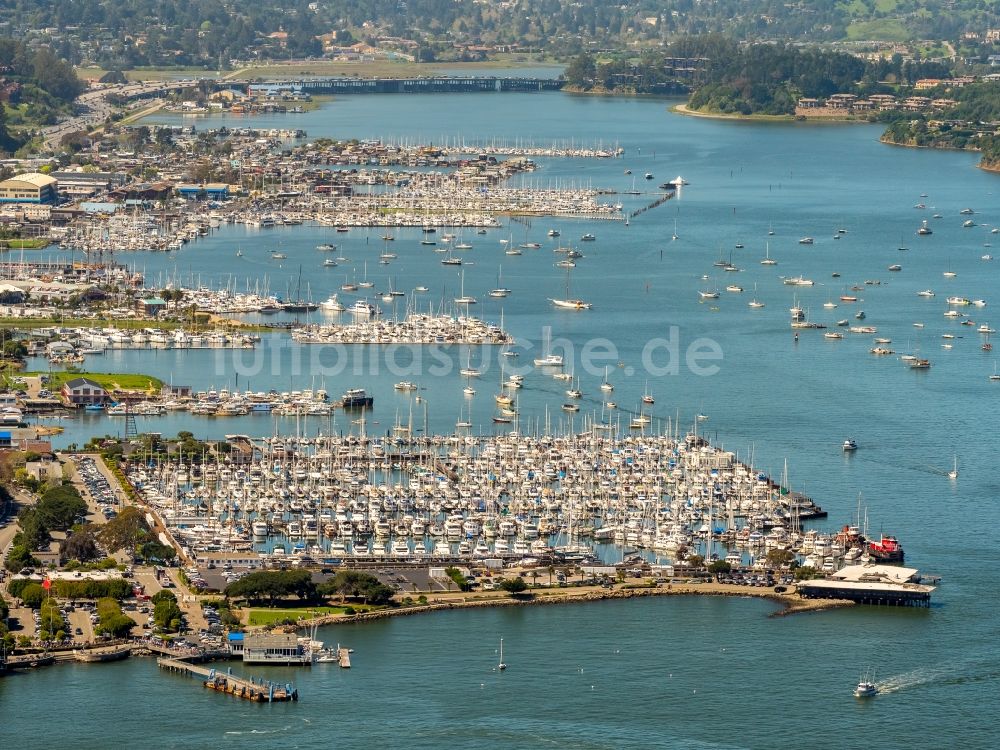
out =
column 274, row 648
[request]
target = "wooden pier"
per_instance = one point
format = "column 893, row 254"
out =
column 259, row 691
column 343, row 657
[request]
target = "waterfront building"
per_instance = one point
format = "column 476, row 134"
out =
column 275, row 648
column 80, row 391
column 31, row 187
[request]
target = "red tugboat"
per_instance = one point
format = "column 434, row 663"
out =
column 887, row 549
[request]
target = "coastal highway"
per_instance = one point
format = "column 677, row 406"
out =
column 93, row 107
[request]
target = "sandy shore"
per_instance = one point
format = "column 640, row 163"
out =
column 789, row 603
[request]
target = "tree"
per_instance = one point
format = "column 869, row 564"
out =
column 80, row 545
column 125, row 531
column 513, row 585
column 718, row 567
column 33, row 595
column 156, row 552
column 695, row 561
column 19, row 558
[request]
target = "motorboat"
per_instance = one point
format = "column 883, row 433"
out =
column 549, row 360
column 850, row 445
column 806, row 241
column 332, row 304
column 866, row 689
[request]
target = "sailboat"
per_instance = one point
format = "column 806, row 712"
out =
column 501, row 665
column 570, row 303
column 953, row 474
column 463, row 298
column 366, row 284
column 755, row 303
column 767, row 260
column 674, row 235
column 299, row 304
column 606, row 386
column 500, row 291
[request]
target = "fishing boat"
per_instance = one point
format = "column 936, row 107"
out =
column 866, row 687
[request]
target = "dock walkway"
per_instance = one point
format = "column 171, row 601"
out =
column 248, row 688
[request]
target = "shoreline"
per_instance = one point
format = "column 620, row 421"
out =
column 789, row 603
column 682, row 109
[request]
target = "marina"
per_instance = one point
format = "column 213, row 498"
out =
column 774, row 397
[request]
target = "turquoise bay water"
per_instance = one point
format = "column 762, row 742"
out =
column 427, row 681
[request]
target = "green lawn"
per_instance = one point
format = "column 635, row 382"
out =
column 888, row 29
column 264, row 617
column 109, row 381
column 34, row 243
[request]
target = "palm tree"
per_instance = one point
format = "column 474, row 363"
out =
column 552, row 570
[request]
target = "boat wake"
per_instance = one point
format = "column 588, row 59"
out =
column 261, row 731
column 934, row 676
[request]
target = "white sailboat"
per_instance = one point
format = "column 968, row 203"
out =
column 500, row 291
column 570, row 303
column 953, row 474
column 767, row 260
column 463, row 298
column 501, row 665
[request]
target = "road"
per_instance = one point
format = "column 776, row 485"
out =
column 93, row 107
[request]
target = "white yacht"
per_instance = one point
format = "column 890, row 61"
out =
column 332, row 304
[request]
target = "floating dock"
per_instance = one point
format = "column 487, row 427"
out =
column 259, row 691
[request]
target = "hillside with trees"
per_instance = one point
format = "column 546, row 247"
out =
column 210, row 33
column 971, row 124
